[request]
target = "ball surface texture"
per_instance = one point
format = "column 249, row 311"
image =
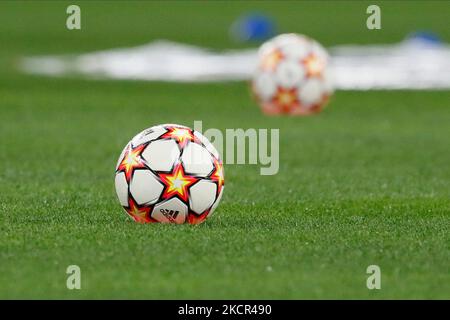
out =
column 170, row 174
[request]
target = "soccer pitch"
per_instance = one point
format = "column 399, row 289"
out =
column 366, row 182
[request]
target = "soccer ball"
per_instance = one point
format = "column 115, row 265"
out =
column 293, row 76
column 171, row 174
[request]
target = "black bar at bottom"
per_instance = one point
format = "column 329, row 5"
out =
column 214, row 309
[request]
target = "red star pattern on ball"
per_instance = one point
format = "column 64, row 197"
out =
column 177, row 183
column 217, row 175
column 139, row 214
column 314, row 65
column 196, row 219
column 285, row 99
column 131, row 161
column 318, row 106
column 272, row 59
column 181, row 135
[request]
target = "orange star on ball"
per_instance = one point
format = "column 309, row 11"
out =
column 218, row 175
column 139, row 214
column 131, row 161
column 285, row 99
column 181, row 135
column 177, row 183
column 272, row 59
column 314, row 65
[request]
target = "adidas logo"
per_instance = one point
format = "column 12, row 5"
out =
column 170, row 214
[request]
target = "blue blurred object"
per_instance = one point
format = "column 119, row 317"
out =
column 425, row 38
column 253, row 27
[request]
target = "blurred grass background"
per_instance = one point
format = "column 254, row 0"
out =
column 365, row 182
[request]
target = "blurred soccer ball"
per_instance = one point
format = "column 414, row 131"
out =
column 293, row 76
column 171, row 174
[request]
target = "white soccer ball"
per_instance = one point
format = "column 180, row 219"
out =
column 293, row 76
column 171, row 174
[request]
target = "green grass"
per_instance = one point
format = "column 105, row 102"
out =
column 365, row 182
